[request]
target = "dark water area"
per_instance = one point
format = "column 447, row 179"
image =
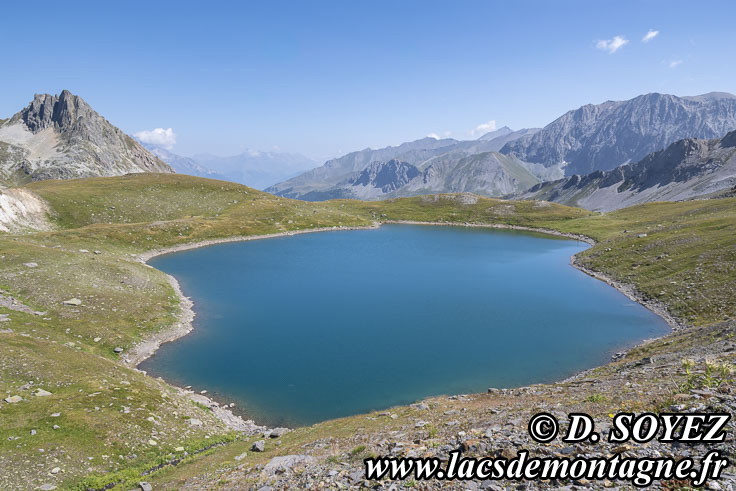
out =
column 305, row 328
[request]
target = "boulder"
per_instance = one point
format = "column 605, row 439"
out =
column 278, row 432
column 13, row 399
column 41, row 393
column 72, row 301
column 258, row 446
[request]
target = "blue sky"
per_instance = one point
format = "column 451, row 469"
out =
column 324, row 78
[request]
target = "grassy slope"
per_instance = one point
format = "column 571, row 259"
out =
column 124, row 301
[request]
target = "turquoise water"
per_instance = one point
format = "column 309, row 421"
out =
column 300, row 329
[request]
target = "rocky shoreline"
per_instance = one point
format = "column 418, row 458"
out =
column 184, row 325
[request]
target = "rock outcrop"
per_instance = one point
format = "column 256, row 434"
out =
column 21, row 210
column 62, row 137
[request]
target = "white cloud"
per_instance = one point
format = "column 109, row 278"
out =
column 651, row 34
column 484, row 128
column 445, row 134
column 675, row 63
column 162, row 137
column 612, row 45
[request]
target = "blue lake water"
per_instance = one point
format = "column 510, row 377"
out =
column 305, row 328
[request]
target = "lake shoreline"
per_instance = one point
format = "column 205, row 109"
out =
column 629, row 290
column 184, row 322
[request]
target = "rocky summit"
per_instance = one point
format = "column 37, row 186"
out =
column 62, row 137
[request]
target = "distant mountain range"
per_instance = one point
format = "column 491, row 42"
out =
column 502, row 162
column 600, row 157
column 62, row 137
column 252, row 168
column 182, row 165
column 686, row 169
column 432, row 165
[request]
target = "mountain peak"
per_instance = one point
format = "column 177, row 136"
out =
column 62, row 137
column 504, row 130
column 59, row 111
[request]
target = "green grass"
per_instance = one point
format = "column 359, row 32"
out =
column 687, row 261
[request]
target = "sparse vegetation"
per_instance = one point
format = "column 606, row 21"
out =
column 109, row 413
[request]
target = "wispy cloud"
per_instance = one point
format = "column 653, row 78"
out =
column 675, row 63
column 651, row 34
column 165, row 138
column 612, row 45
column 484, row 128
column 445, row 134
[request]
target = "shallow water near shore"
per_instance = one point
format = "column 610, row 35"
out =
column 301, row 329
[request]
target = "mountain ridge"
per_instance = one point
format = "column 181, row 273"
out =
column 335, row 179
column 686, row 169
column 603, row 136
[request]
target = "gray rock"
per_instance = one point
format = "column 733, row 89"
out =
column 278, row 432
column 258, row 446
column 145, row 486
column 281, row 464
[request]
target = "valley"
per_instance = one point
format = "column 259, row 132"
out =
column 677, row 255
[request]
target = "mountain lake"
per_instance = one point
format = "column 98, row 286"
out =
column 299, row 329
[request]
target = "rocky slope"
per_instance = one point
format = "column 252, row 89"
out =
column 686, row 169
column 21, row 211
column 446, row 165
column 603, row 136
column 62, row 137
